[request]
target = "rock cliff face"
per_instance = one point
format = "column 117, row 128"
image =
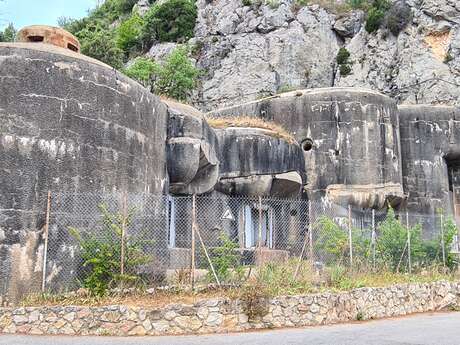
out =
column 259, row 50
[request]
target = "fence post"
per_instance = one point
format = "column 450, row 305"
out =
column 443, row 246
column 46, row 235
column 123, row 233
column 374, row 240
column 310, row 231
column 350, row 237
column 409, row 255
column 192, row 272
column 260, row 223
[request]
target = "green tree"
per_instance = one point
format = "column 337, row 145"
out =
column 176, row 77
column 129, row 32
column 9, row 34
column 98, row 42
column 172, row 20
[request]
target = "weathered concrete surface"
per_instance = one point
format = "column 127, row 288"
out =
column 49, row 35
column 353, row 136
column 225, row 315
column 193, row 151
column 251, row 157
column 430, row 143
column 67, row 124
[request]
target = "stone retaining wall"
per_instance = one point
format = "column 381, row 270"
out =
column 224, row 315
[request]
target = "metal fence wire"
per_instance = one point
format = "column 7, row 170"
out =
column 160, row 241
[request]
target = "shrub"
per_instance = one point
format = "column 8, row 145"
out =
column 98, row 42
column 255, row 300
column 357, row 4
column 129, row 32
column 101, row 253
column 391, row 245
column 374, row 19
column 334, row 242
column 376, row 14
column 142, row 70
column 226, row 261
column 177, row 76
column 398, row 17
column 433, row 249
column 125, row 6
column 9, row 34
column 342, row 56
column 173, row 20
column 345, row 70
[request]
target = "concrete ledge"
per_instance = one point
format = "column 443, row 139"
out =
column 224, row 315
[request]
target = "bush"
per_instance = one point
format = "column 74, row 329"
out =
column 173, row 20
column 342, row 56
column 376, row 14
column 9, row 34
column 101, row 253
column 374, row 19
column 345, row 70
column 392, row 246
column 142, row 70
column 128, row 35
column 226, row 261
column 177, row 76
column 398, row 17
column 334, row 242
column 433, row 249
column 99, row 42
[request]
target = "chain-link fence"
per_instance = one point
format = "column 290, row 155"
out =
column 108, row 241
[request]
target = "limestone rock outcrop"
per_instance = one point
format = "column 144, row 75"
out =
column 248, row 52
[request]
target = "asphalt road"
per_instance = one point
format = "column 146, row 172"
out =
column 426, row 329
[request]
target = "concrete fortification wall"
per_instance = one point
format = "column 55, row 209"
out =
column 350, row 139
column 68, row 124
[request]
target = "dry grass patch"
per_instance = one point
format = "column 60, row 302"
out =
column 277, row 130
column 134, row 299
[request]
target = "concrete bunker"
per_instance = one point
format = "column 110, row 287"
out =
column 350, row 142
column 49, row 35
